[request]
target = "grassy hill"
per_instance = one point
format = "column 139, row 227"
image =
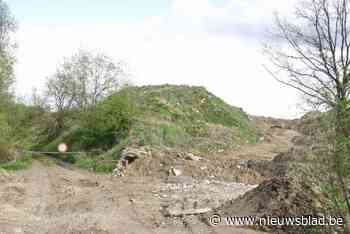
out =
column 189, row 117
column 181, row 117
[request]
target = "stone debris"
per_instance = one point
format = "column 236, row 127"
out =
column 192, row 157
column 189, row 156
column 245, row 164
column 186, row 196
column 178, row 212
column 118, row 171
column 175, row 172
column 129, row 155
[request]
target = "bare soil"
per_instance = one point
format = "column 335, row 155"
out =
column 49, row 198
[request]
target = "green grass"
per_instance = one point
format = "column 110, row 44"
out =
column 86, row 163
column 188, row 117
column 94, row 165
column 19, row 164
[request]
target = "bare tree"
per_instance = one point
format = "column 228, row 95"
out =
column 311, row 53
column 8, row 25
column 61, row 90
column 314, row 50
column 82, row 81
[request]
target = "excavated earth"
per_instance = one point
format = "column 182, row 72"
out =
column 51, row 198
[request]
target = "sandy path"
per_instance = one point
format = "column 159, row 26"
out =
column 52, row 199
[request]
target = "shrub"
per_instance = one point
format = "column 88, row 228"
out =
column 69, row 158
column 4, row 127
column 108, row 122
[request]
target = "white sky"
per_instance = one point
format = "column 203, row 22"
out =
column 193, row 42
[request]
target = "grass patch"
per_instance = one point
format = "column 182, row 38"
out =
column 94, row 165
column 19, row 164
column 104, row 168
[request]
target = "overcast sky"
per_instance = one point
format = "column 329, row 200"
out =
column 212, row 43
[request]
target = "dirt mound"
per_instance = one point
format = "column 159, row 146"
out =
column 160, row 163
column 278, row 197
column 283, row 164
column 248, row 164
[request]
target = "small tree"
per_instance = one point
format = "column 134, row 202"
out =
column 6, row 77
column 311, row 53
column 82, row 81
column 7, row 26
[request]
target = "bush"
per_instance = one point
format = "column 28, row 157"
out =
column 69, row 158
column 108, row 122
column 4, row 127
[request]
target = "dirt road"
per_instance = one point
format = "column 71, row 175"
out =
column 53, row 199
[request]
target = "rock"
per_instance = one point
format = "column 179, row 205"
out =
column 175, row 212
column 129, row 155
column 192, row 157
column 118, row 171
column 277, row 126
column 246, row 164
column 132, row 200
column 175, row 172
column 243, row 163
